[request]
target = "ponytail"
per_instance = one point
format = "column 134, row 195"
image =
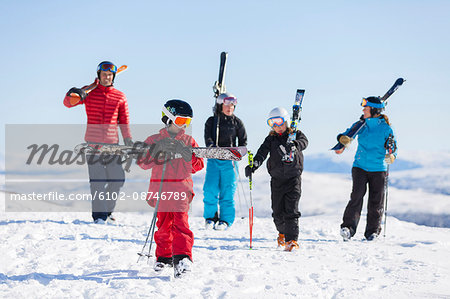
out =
column 386, row 119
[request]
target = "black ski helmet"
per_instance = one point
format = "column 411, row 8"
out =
column 174, row 108
column 375, row 103
column 99, row 68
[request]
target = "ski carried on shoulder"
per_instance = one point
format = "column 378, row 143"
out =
column 356, row 127
column 296, row 117
column 140, row 148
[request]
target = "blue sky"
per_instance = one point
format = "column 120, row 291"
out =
column 339, row 51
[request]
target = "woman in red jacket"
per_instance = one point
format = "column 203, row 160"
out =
column 172, row 162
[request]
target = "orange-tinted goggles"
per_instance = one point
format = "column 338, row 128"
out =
column 180, row 121
column 364, row 102
column 275, row 121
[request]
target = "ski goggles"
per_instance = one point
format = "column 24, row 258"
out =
column 179, row 121
column 365, row 103
column 230, row 101
column 107, row 66
column 275, row 121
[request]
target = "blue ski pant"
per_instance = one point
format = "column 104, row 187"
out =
column 219, row 188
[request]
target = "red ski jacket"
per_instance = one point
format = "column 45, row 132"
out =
column 106, row 108
column 177, row 186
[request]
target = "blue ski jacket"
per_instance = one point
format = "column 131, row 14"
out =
column 371, row 145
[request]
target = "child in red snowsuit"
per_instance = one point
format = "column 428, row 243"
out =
column 172, row 163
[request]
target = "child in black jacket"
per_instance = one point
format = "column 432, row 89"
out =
column 285, row 176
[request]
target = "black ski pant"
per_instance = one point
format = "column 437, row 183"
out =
column 106, row 177
column 375, row 204
column 285, row 198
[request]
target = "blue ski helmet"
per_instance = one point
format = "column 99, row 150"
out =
column 107, row 66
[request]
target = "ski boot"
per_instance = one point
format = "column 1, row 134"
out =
column 182, row 267
column 209, row 224
column 163, row 263
column 221, row 225
column 280, row 240
column 372, row 237
column 111, row 220
column 345, row 234
column 291, row 245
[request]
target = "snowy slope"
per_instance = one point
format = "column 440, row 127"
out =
column 65, row 255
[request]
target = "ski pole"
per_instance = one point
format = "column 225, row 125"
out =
column 151, row 230
column 386, row 199
column 391, row 147
column 250, row 210
column 238, row 175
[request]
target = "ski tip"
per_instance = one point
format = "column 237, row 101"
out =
column 400, row 81
column 337, row 147
column 121, row 69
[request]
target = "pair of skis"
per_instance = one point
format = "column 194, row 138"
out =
column 223, row 153
column 219, row 85
column 296, row 117
column 356, row 127
column 218, row 88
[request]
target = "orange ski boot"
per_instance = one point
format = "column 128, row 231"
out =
column 291, row 245
column 280, row 240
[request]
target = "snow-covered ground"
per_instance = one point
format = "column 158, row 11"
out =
column 65, row 255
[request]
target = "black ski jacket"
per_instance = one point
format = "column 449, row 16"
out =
column 230, row 128
column 275, row 144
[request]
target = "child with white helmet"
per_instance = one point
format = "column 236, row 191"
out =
column 286, row 176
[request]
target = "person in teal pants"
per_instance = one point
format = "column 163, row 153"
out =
column 221, row 181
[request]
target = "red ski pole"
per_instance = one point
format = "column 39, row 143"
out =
column 250, row 210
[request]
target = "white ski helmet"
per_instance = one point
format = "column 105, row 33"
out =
column 226, row 98
column 280, row 112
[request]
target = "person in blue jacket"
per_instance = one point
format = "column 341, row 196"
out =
column 376, row 149
column 223, row 129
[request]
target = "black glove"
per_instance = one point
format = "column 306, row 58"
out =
column 183, row 149
column 80, row 92
column 159, row 149
column 128, row 142
column 248, row 171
